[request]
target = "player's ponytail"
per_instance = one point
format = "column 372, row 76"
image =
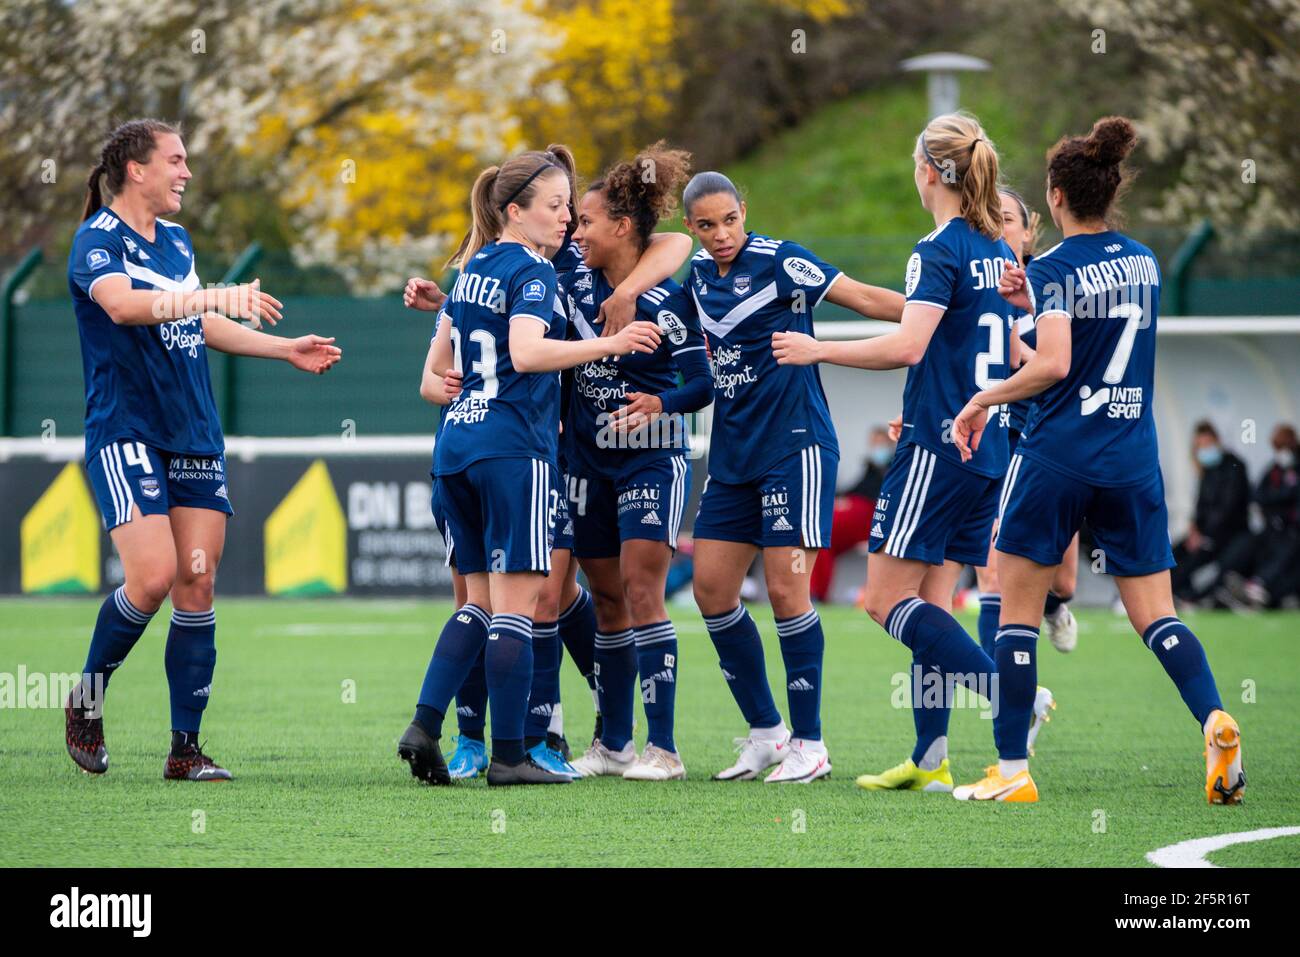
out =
column 133, row 141
column 967, row 161
column 1091, row 170
column 645, row 190
column 485, row 219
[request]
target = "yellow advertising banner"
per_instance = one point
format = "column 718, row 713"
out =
column 306, row 539
column 60, row 538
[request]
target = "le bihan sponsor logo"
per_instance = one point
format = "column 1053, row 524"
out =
column 803, row 272
column 913, row 274
column 77, row 910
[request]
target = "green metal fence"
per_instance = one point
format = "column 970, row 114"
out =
column 374, row 390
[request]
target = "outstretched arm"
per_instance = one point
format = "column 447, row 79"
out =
column 874, row 302
column 663, row 257
column 893, row 350
column 309, row 353
column 152, row 307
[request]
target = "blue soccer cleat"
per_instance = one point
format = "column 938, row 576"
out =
column 470, row 758
column 549, row 759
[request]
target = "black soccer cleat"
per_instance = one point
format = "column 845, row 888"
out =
column 84, row 737
column 191, row 764
column 500, row 774
column 424, row 756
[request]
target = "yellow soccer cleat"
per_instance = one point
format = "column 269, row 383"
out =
column 1225, row 782
column 908, row 777
column 1019, row 788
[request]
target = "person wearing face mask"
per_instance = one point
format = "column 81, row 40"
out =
column 851, row 519
column 1222, row 510
column 1264, row 569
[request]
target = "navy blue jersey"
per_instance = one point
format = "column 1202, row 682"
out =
column 146, row 383
column 1096, row 424
column 1022, row 409
column 957, row 269
column 591, row 446
column 567, row 259
column 500, row 412
column 762, row 412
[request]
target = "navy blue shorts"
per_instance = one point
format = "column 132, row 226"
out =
column 933, row 510
column 645, row 501
column 500, row 515
column 1043, row 508
column 790, row 506
column 440, row 521
column 126, row 473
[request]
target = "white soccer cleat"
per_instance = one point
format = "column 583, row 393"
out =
column 805, row 762
column 1062, row 630
column 600, row 760
column 1044, row 705
column 656, row 764
column 756, row 756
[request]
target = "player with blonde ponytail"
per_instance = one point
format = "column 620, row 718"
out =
column 935, row 512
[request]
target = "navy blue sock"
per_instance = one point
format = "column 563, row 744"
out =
column 578, row 633
column 931, row 709
column 472, row 698
column 1017, row 660
column 938, row 643
column 459, row 645
column 1052, row 602
column 545, row 689
column 616, row 684
column 118, row 627
column 990, row 612
column 1183, row 658
column 190, row 657
column 740, row 655
column 802, row 648
column 509, row 661
column 656, row 655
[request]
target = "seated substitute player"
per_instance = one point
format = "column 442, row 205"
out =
column 629, row 476
column 772, row 460
column 498, row 439
column 935, row 513
column 1090, row 454
column 154, row 448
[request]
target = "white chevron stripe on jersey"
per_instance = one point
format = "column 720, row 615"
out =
column 742, row 311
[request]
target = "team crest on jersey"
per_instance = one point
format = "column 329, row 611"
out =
column 803, row 272
column 181, row 247
column 741, row 286
column 582, row 282
column 672, row 326
column 149, row 488
column 535, row 291
column 97, row 259
column 913, row 274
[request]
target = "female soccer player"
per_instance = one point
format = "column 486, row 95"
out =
column 935, row 512
column 154, row 447
column 626, row 447
column 772, row 461
column 564, row 608
column 1020, row 230
column 1090, row 454
column 498, row 440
